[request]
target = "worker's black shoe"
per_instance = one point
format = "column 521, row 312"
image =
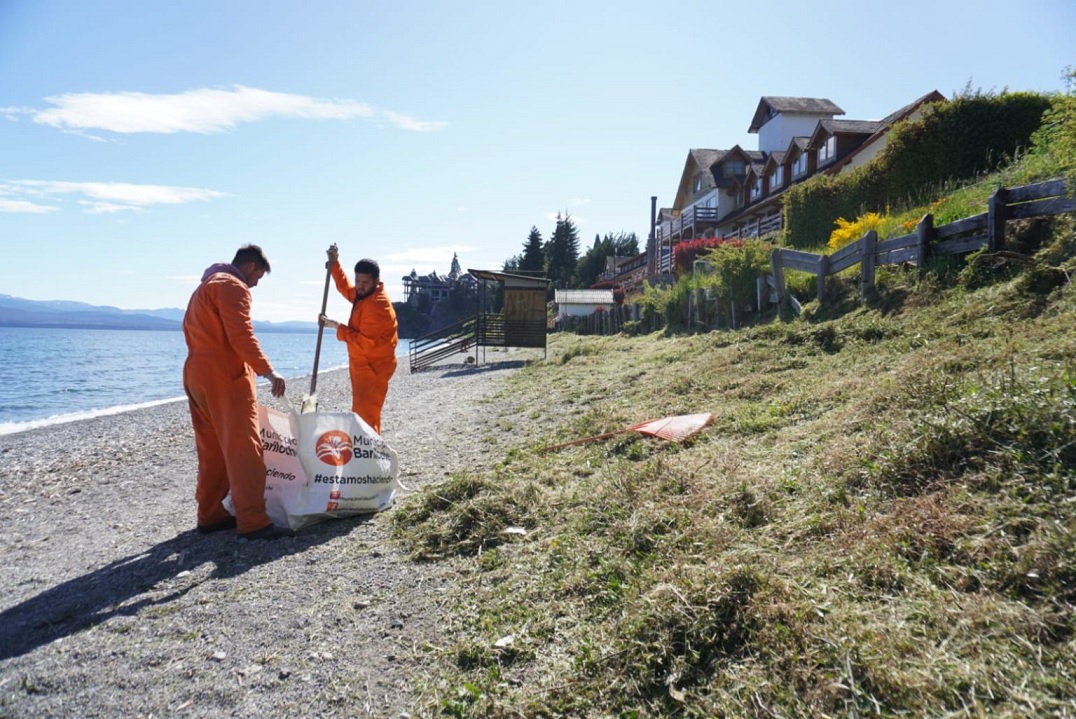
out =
column 268, row 532
column 222, row 525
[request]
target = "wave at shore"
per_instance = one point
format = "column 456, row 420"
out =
column 14, row 427
column 63, row 418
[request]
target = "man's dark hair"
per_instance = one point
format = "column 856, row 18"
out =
column 368, row 267
column 251, row 253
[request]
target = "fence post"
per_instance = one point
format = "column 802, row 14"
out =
column 924, row 233
column 700, row 307
column 996, row 215
column 869, row 261
column 823, row 268
column 778, row 270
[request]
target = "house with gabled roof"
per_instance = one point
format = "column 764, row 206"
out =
column 869, row 148
column 838, row 138
column 775, row 170
column 778, row 119
column 707, row 190
column 738, row 192
column 435, row 287
column 831, row 146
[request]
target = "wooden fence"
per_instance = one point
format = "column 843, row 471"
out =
column 704, row 311
column 608, row 321
column 960, row 237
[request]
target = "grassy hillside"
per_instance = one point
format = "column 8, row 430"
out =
column 881, row 520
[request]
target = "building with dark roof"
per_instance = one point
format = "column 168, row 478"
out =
column 738, row 192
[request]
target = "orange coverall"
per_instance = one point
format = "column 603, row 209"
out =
column 371, row 339
column 223, row 361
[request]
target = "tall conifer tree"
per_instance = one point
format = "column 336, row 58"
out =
column 533, row 259
column 563, row 252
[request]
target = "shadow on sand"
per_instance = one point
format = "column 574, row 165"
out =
column 468, row 370
column 131, row 584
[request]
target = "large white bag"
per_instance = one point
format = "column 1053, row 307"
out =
column 323, row 465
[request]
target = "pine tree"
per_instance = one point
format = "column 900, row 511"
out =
column 533, row 253
column 563, row 253
column 625, row 244
column 454, row 271
column 592, row 263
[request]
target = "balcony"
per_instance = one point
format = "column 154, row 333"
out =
column 689, row 223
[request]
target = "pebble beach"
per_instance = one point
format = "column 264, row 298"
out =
column 112, row 605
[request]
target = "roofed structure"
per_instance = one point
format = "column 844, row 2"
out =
column 769, row 106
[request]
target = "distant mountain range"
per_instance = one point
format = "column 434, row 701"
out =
column 17, row 312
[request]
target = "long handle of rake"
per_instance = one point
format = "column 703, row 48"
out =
column 586, row 439
column 321, row 329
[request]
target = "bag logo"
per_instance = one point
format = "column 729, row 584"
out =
column 334, row 448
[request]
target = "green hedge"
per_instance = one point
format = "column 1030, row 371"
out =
column 953, row 141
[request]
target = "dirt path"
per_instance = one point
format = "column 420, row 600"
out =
column 113, row 607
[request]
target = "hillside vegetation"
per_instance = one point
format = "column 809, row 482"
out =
column 881, row 520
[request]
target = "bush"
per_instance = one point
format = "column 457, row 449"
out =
column 954, row 141
column 736, row 267
column 848, row 232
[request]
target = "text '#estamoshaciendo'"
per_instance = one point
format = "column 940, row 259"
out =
column 364, row 479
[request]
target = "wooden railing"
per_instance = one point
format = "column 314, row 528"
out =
column 430, row 348
column 764, row 226
column 960, row 237
column 690, row 218
column 486, row 329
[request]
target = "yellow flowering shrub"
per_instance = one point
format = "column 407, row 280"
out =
column 847, row 232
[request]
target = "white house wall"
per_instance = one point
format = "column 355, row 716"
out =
column 726, row 203
column 707, row 200
column 776, row 134
column 865, row 155
column 580, row 310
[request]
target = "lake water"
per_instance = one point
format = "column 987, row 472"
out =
column 49, row 376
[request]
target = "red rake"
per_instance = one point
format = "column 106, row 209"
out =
column 673, row 429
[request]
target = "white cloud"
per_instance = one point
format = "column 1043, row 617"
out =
column 25, row 206
column 110, row 197
column 576, row 219
column 106, row 208
column 426, row 255
column 14, row 113
column 202, row 111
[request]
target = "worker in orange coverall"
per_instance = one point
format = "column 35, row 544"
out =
column 223, row 361
column 370, row 334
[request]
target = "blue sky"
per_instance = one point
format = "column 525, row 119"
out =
column 142, row 140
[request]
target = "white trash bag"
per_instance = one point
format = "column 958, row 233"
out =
column 323, row 465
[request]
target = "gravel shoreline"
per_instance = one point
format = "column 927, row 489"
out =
column 114, row 607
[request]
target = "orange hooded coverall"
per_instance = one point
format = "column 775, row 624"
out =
column 371, row 339
column 223, row 361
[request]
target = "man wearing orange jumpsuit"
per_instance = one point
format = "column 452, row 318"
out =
column 370, row 334
column 223, row 361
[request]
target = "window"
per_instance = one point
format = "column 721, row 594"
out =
column 698, row 183
column 799, row 167
column 732, row 168
column 756, row 188
column 828, row 150
column 777, row 178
